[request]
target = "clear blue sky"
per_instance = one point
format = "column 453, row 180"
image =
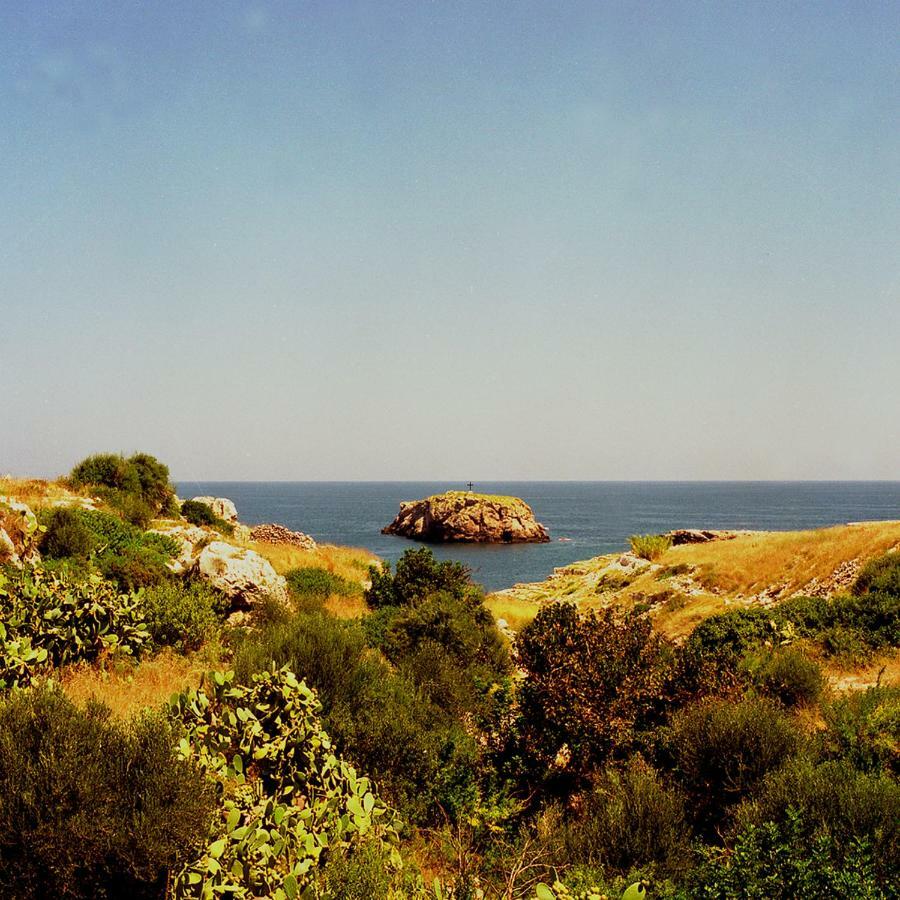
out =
column 452, row 240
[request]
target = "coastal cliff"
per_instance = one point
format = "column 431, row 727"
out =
column 465, row 517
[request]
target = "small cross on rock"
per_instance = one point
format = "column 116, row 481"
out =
column 470, row 485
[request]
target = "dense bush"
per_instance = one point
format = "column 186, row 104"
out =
column 881, row 576
column 781, row 861
column 590, row 680
column 138, row 487
column 864, row 728
column 721, row 750
column 67, row 535
column 787, row 675
column 263, row 742
column 198, row 513
column 50, row 619
column 181, row 615
column 650, row 546
column 849, row 804
column 417, row 574
column 316, row 583
column 376, row 716
column 732, row 633
column 629, row 819
column 90, row 808
column 132, row 568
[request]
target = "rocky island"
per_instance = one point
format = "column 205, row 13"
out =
column 466, row 517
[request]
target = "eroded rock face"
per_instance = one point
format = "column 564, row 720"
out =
column 18, row 533
column 702, row 536
column 243, row 575
column 221, row 506
column 457, row 516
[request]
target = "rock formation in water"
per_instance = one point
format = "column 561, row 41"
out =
column 464, row 517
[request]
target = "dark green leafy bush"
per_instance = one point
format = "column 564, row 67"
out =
column 67, row 535
column 198, row 513
column 375, row 715
column 182, row 615
column 109, row 470
column 731, row 634
column 134, row 567
column 880, row 576
column 863, row 728
column 630, row 819
column 590, row 680
column 138, row 487
column 418, row 574
column 781, row 861
column 721, row 750
column 51, row 619
column 787, row 675
column 319, row 584
column 90, row 808
column 849, row 804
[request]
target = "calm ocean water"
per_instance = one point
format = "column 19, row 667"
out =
column 595, row 517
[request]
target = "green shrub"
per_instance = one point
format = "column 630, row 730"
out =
column 376, row 716
column 721, row 750
column 418, row 574
column 67, row 535
column 138, row 486
column 881, row 576
column 198, row 513
column 51, row 619
column 787, row 675
column 90, row 808
column 590, row 680
column 264, row 744
column 319, row 584
column 851, row 805
column 731, row 634
column 181, row 615
column 781, row 861
column 134, row 567
column 650, row 546
column 864, row 729
column 630, row 818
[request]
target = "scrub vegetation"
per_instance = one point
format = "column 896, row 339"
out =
column 409, row 748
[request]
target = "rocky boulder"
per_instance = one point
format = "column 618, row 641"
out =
column 702, row 536
column 221, row 506
column 19, row 533
column 278, row 534
column 459, row 516
column 242, row 575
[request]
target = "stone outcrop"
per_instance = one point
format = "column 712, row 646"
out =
column 702, row 536
column 278, row 534
column 242, row 575
column 458, row 516
column 19, row 533
column 221, row 506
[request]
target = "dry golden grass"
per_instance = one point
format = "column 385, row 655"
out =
column 724, row 572
column 126, row 687
column 351, row 563
column 36, row 491
column 751, row 563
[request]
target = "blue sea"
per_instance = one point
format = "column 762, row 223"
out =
column 585, row 518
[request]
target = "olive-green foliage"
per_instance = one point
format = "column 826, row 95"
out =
column 119, row 550
column 880, row 576
column 376, row 716
column 732, row 633
column 590, row 680
column 863, row 728
column 182, row 615
column 198, row 513
column 138, row 487
column 629, row 818
column 417, row 575
column 650, row 546
column 315, row 583
column 721, row 750
column 787, row 675
column 851, row 805
column 782, row 861
column 90, row 808
column 265, row 746
column 53, row 618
